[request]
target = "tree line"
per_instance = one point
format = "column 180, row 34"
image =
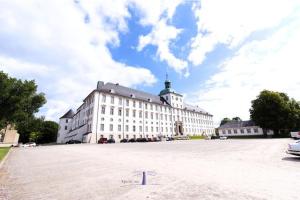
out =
column 19, row 101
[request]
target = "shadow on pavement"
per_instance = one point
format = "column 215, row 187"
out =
column 291, row 158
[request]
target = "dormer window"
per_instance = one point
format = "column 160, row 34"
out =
column 150, row 100
column 132, row 95
column 112, row 91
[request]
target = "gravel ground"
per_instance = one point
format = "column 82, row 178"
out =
column 202, row 169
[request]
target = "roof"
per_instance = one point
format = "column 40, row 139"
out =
column 68, row 114
column 194, row 108
column 131, row 93
column 238, row 124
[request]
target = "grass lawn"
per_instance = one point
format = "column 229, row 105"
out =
column 3, row 152
column 197, row 137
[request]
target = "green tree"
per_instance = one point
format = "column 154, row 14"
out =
column 275, row 111
column 19, row 100
column 48, row 132
column 225, row 120
column 236, row 119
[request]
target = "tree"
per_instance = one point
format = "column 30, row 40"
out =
column 19, row 100
column 275, row 111
column 225, row 120
column 48, row 132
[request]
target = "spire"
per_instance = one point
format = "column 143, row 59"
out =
column 167, row 82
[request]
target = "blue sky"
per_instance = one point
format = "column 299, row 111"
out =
column 218, row 54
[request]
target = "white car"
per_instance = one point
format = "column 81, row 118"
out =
column 29, row 144
column 295, row 135
column 294, row 148
column 223, row 138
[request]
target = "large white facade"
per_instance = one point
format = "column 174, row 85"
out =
column 114, row 111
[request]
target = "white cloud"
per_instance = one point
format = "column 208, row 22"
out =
column 162, row 34
column 231, row 22
column 50, row 42
column 272, row 63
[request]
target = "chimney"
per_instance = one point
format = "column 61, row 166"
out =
column 99, row 85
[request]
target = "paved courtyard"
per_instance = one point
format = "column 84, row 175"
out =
column 216, row 169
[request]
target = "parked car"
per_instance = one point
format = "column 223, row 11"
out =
column 141, row 140
column 169, row 139
column 29, row 144
column 73, row 142
column 294, row 148
column 102, row 141
column 295, row 135
column 223, row 138
column 111, row 140
column 132, row 140
column 124, row 140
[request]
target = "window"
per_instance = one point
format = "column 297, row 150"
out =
column 146, row 128
column 111, row 127
column 66, row 120
column 146, row 106
column 119, row 127
column 119, row 136
column 167, row 98
column 133, row 128
column 120, row 112
column 103, row 110
column 140, row 114
column 151, row 128
column 126, row 128
column 133, row 103
column 112, row 100
column 146, row 115
column 103, row 98
column 140, row 104
column 229, row 131
column 248, row 130
column 242, row 130
column 127, row 112
column 133, row 113
column 151, row 106
column 127, row 136
column 127, row 102
column 156, row 116
column 120, row 101
column 152, row 115
column 112, row 110
column 256, row 130
column 101, row 127
column 235, row 131
column 156, row 129
column 66, row 127
column 141, row 128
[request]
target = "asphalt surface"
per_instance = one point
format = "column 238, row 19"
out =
column 202, row 169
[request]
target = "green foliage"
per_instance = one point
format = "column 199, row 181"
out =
column 226, row 119
column 275, row 111
column 19, row 100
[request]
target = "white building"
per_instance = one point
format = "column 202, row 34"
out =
column 115, row 111
column 242, row 128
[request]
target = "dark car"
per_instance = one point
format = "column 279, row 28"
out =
column 73, row 142
column 102, row 141
column 132, row 140
column 141, row 140
column 111, row 140
column 149, row 139
column 124, row 140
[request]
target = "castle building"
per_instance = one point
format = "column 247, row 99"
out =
column 118, row 112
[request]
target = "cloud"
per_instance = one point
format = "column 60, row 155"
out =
column 54, row 43
column 271, row 63
column 232, row 22
column 162, row 33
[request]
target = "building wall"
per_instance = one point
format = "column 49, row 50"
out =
column 243, row 131
column 142, row 118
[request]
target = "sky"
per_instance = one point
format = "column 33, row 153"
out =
column 218, row 54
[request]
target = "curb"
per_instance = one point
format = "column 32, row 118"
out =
column 4, row 159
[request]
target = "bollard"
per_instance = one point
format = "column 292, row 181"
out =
column 144, row 178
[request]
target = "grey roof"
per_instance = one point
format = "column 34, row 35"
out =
column 238, row 124
column 68, row 114
column 194, row 108
column 129, row 92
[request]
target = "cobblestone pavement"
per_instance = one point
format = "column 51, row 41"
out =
column 203, row 169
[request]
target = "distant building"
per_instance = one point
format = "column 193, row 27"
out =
column 115, row 111
column 9, row 136
column 242, row 128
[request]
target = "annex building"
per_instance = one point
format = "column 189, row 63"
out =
column 118, row 112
